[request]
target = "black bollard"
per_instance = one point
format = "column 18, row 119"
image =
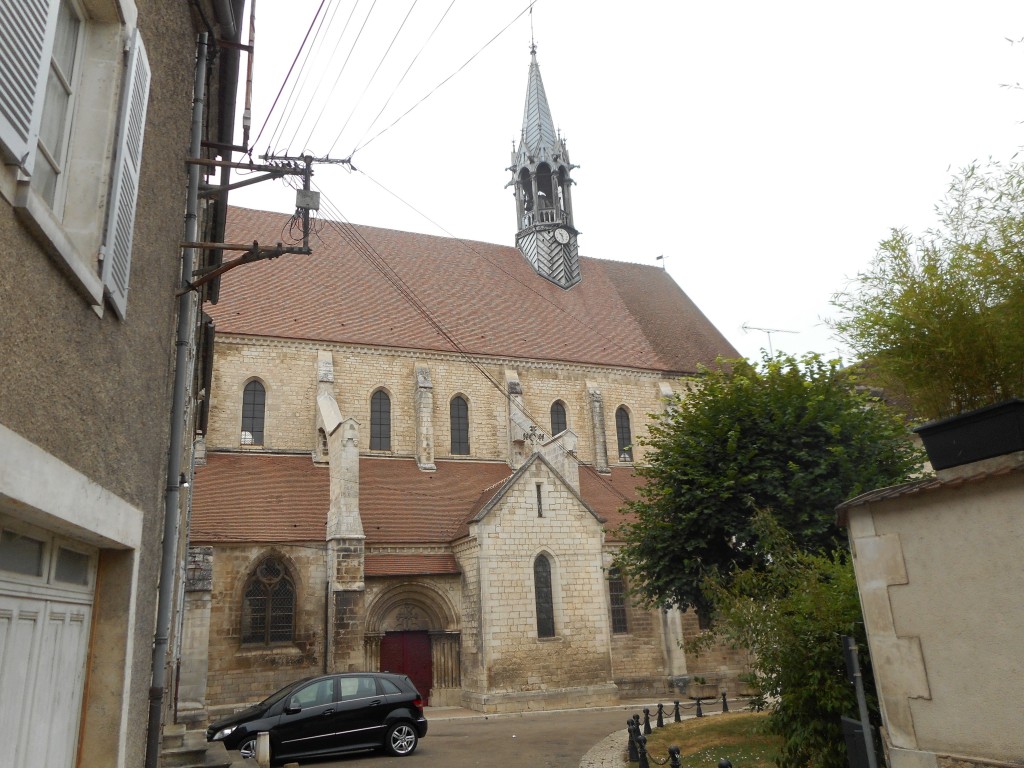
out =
column 725, row 762
column 634, row 757
column 673, row 757
column 725, row 703
column 700, row 712
column 647, row 720
column 661, row 715
column 641, row 748
column 676, row 716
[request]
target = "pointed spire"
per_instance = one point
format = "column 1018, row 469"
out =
column 539, row 138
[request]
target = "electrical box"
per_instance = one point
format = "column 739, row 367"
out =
column 308, row 199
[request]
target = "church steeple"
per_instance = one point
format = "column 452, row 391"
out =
column 541, row 176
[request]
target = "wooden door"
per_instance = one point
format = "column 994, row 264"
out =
column 408, row 653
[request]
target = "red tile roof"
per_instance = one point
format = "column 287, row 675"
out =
column 273, row 498
column 257, row 497
column 486, row 297
column 410, row 565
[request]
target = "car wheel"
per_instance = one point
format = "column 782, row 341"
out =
column 401, row 739
column 248, row 747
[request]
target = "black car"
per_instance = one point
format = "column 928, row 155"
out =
column 326, row 715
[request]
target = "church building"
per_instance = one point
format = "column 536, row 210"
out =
column 417, row 456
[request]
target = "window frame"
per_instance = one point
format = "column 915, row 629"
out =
column 270, row 620
column 458, row 427
column 89, row 229
column 380, row 418
column 618, row 604
column 564, row 417
column 544, row 596
column 623, row 435
column 253, row 417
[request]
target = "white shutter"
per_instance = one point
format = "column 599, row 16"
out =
column 124, row 186
column 26, row 36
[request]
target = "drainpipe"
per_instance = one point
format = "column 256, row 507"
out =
column 182, row 376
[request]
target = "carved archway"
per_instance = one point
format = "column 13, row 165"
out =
column 408, row 610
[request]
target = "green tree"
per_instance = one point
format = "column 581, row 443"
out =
column 794, row 436
column 791, row 614
column 938, row 318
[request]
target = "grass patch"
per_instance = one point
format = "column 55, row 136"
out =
column 742, row 737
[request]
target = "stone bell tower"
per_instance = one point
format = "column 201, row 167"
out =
column 540, row 168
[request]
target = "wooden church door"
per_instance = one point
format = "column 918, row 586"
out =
column 408, row 653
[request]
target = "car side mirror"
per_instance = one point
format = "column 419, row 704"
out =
column 292, row 709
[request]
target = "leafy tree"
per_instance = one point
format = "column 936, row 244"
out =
column 938, row 318
column 792, row 614
column 794, row 436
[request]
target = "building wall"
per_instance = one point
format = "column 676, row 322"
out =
column 246, row 673
column 288, row 372
column 943, row 614
column 93, row 392
column 543, row 670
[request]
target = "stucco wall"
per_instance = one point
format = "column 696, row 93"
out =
column 942, row 602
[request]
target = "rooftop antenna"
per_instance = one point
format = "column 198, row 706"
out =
column 661, row 259
column 747, row 328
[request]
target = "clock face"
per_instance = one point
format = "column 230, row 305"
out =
column 562, row 236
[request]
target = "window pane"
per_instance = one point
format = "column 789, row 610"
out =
column 625, row 438
column 21, row 554
column 558, row 417
column 65, row 42
column 459, row 412
column 617, row 595
column 380, row 422
column 282, row 609
column 72, row 567
column 254, row 401
column 545, row 606
column 254, row 614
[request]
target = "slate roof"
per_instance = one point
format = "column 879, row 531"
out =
column 486, row 297
column 263, row 498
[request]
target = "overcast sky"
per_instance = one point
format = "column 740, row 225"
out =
column 762, row 148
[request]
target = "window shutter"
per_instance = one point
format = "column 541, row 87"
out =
column 124, row 187
column 26, row 36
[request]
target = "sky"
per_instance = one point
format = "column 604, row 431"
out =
column 762, row 149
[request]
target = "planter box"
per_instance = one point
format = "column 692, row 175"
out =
column 981, row 434
column 703, row 690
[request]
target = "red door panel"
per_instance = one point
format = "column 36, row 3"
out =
column 408, row 653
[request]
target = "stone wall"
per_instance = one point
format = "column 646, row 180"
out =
column 288, row 372
column 246, row 673
column 511, row 536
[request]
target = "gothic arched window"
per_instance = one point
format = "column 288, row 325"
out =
column 254, row 404
column 268, row 608
column 624, row 434
column 380, row 421
column 545, row 601
column 460, row 426
column 558, row 423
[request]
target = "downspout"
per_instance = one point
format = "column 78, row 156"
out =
column 182, row 376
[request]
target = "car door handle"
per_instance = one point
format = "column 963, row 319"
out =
column 327, row 713
column 375, row 703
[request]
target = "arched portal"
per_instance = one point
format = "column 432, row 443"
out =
column 412, row 629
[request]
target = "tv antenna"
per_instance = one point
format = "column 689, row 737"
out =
column 747, row 328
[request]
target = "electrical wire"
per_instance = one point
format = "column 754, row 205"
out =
column 380, row 63
column 443, row 82
column 284, row 82
column 404, row 75
column 327, row 101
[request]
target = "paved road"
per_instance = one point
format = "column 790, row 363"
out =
column 533, row 740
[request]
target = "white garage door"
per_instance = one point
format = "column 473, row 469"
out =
column 46, row 593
